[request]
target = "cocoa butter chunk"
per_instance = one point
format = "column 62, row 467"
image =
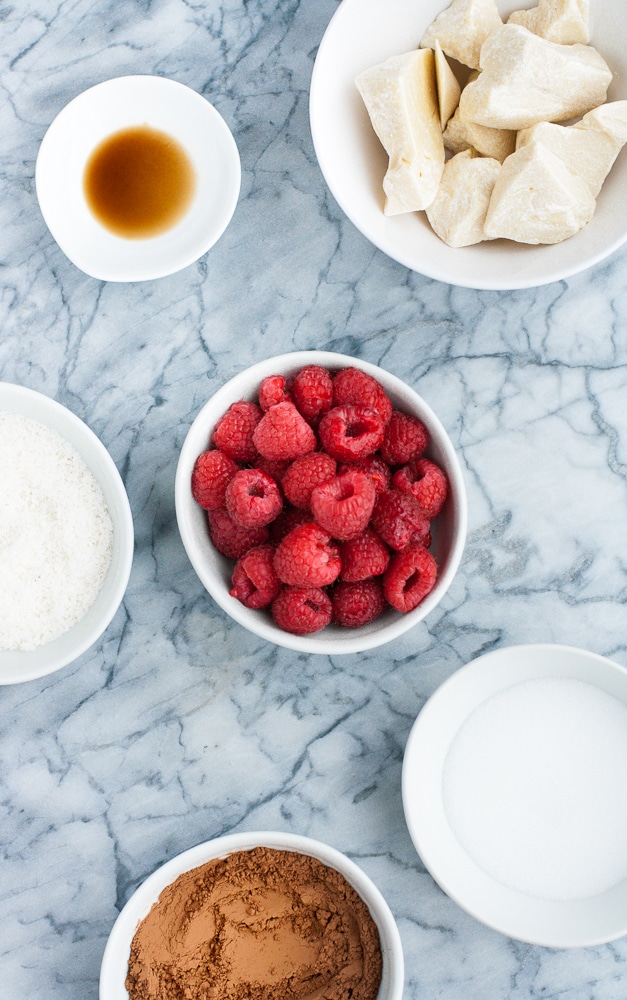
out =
column 537, row 199
column 401, row 99
column 462, row 28
column 448, row 86
column 460, row 134
column 457, row 214
column 563, row 21
column 525, row 79
column 589, row 147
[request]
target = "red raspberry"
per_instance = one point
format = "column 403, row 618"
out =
column 426, row 482
column 253, row 498
column 254, row 580
column 283, row 433
column 307, row 557
column 274, row 389
column 409, row 578
column 405, row 438
column 233, row 433
column 377, row 469
column 363, row 557
column 349, row 433
column 356, row 604
column 397, row 518
column 290, row 517
column 211, row 474
column 344, row 504
column 302, row 610
column 304, row 474
column 351, row 385
column 230, row 538
column 273, row 467
column 313, row 392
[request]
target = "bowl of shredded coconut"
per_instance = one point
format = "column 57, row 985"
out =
column 66, row 535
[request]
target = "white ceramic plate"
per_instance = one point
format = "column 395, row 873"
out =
column 16, row 665
column 363, row 33
column 214, row 571
column 116, row 955
column 104, row 109
column 555, row 923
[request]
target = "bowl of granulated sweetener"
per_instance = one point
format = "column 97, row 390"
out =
column 514, row 782
column 66, row 536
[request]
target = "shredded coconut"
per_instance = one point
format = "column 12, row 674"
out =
column 56, row 534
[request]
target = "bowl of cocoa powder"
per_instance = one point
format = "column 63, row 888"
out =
column 269, row 916
column 321, row 502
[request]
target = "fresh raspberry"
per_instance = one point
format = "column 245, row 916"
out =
column 274, row 389
column 253, row 498
column 283, row 433
column 233, row 433
column 349, row 433
column 307, row 557
column 397, row 519
column 343, row 505
column 378, row 470
column 289, row 518
column 302, row 610
column 313, row 392
column 405, row 438
column 426, row 482
column 211, row 474
column 254, row 580
column 273, row 467
column 358, row 603
column 230, row 538
column 363, row 557
column 304, row 474
column 351, row 385
column 409, row 578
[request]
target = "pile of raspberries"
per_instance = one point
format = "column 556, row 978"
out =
column 322, row 496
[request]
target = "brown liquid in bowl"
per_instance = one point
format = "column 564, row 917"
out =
column 139, row 182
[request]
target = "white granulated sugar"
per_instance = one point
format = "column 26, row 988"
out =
column 56, row 534
column 535, row 788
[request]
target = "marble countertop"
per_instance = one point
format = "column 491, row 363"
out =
column 179, row 726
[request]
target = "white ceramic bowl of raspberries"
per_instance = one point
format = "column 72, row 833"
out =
column 321, row 502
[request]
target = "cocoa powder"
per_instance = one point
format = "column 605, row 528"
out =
column 262, row 924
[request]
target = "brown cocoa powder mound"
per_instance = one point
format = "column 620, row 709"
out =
column 262, row 924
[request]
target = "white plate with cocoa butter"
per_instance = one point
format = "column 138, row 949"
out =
column 263, row 914
column 365, row 33
column 137, row 178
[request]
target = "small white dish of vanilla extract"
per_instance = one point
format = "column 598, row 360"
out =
column 514, row 791
column 137, row 178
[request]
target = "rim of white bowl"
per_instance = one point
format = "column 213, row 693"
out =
column 117, row 950
column 342, row 641
column 17, row 666
column 133, row 260
column 528, row 919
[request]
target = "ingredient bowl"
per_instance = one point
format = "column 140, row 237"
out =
column 27, row 664
column 214, row 571
column 115, row 960
column 512, row 790
column 128, row 102
column 363, row 33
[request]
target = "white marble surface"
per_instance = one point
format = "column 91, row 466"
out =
column 179, row 725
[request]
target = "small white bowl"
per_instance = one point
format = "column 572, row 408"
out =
column 214, row 571
column 17, row 665
column 552, row 922
column 104, row 109
column 116, row 955
column 363, row 33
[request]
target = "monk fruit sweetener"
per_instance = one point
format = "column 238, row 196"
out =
column 535, row 788
column 56, row 534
